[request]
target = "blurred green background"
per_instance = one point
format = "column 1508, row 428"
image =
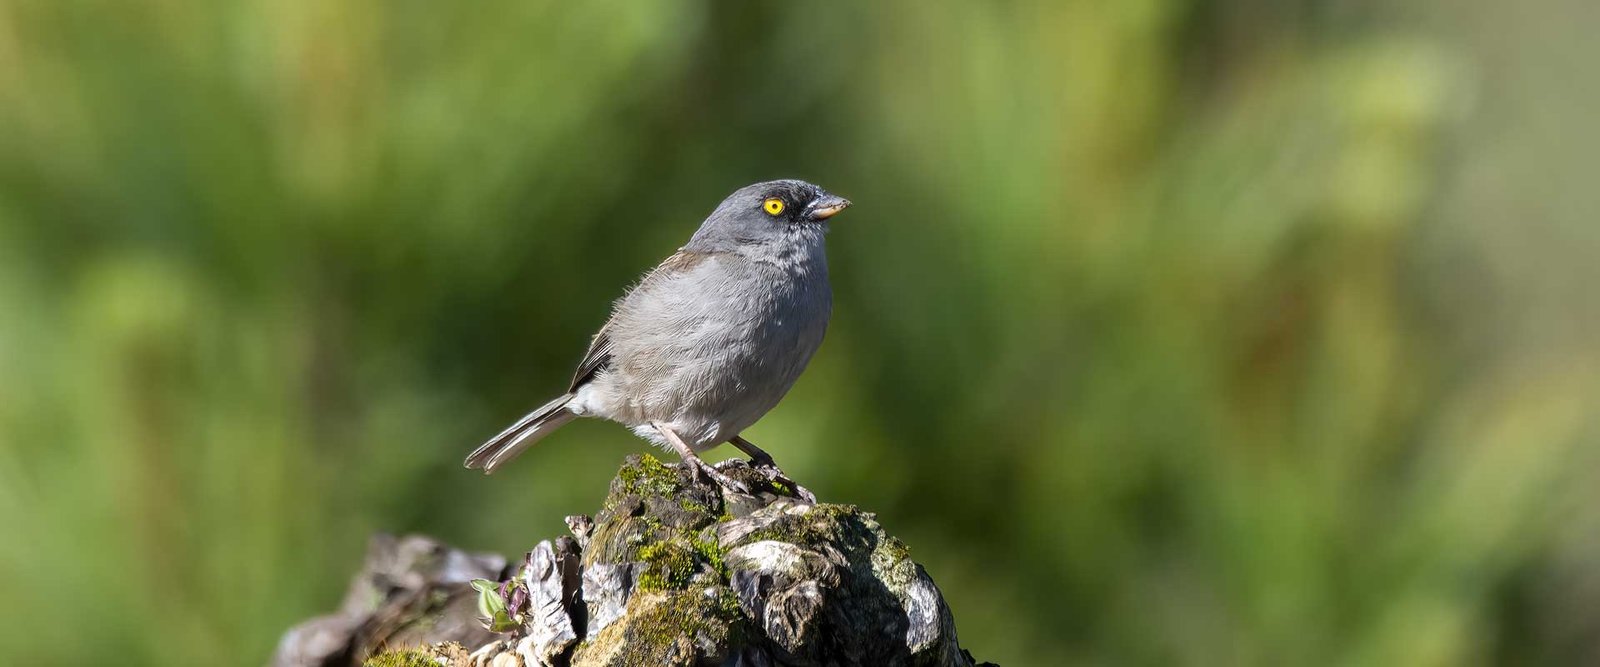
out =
column 1166, row 331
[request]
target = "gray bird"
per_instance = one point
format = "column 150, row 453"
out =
column 708, row 341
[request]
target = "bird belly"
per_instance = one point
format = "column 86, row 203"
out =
column 711, row 376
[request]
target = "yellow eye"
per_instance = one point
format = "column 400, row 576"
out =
column 773, row 206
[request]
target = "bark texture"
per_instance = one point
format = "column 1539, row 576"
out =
column 670, row 571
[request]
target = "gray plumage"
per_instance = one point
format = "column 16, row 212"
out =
column 712, row 338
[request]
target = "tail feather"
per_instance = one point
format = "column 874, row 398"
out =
column 521, row 435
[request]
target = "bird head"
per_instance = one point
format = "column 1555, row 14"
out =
column 769, row 212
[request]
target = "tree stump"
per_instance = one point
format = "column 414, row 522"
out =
column 671, row 571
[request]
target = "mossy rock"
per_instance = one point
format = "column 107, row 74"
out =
column 649, row 502
column 673, row 571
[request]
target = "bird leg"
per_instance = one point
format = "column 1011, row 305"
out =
column 758, row 457
column 698, row 468
column 763, row 463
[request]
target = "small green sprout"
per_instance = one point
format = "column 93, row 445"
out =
column 492, row 608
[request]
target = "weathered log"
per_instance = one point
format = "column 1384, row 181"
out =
column 670, row 571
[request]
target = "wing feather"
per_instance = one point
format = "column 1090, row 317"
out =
column 598, row 357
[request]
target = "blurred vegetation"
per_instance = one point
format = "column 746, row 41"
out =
column 1167, row 332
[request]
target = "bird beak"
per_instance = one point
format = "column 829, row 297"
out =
column 828, row 207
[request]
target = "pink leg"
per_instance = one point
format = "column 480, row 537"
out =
column 698, row 467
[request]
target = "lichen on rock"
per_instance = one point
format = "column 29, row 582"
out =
column 675, row 571
column 445, row 653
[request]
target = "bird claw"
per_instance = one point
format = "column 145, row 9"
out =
column 774, row 474
column 702, row 471
column 804, row 493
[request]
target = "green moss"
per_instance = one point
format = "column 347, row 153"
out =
column 833, row 511
column 728, row 605
column 668, row 565
column 891, row 562
column 688, row 504
column 709, row 551
column 411, row 657
column 692, row 615
column 822, row 523
column 650, row 529
column 672, row 557
column 650, row 477
column 896, row 550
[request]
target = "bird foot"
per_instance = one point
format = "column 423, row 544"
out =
column 701, row 471
column 778, row 478
column 762, row 463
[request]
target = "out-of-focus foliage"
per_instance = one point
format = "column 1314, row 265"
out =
column 1167, row 332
